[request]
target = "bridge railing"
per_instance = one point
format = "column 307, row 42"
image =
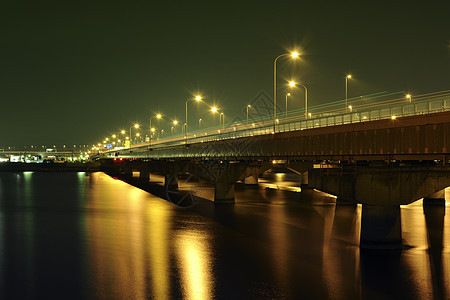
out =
column 364, row 111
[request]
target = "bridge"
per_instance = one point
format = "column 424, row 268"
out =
column 381, row 153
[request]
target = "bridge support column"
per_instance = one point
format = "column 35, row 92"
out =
column 224, row 192
column 251, row 181
column 437, row 198
column 171, row 182
column 144, row 174
column 381, row 227
column 304, row 180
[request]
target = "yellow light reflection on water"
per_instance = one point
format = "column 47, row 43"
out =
column 414, row 233
column 158, row 234
column 195, row 260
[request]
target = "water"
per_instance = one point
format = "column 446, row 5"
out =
column 89, row 236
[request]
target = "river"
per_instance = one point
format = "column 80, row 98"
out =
column 90, row 236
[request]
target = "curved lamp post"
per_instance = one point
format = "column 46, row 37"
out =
column 197, row 98
column 293, row 55
column 346, row 89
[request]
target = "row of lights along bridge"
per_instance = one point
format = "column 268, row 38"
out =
column 152, row 130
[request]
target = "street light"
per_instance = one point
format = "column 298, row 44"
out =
column 135, row 126
column 306, row 100
column 158, row 116
column 346, row 89
column 173, row 128
column 197, row 98
column 222, row 116
column 248, row 106
column 287, row 95
column 409, row 97
column 200, row 123
column 293, row 55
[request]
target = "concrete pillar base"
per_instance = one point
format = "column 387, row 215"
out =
column 224, row 192
column 304, row 179
column 381, row 227
column 251, row 182
column 437, row 198
column 170, row 182
column 144, row 175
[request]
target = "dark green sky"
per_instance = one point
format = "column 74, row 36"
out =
column 74, row 71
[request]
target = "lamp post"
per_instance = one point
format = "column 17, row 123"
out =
column 158, row 116
column 306, row 100
column 222, row 116
column 293, row 55
column 287, row 95
column 135, row 126
column 346, row 89
column 214, row 110
column 123, row 133
column 197, row 98
column 174, row 127
column 409, row 97
column 248, row 106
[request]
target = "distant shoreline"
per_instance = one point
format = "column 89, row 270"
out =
column 49, row 167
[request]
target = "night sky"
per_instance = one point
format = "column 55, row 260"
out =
column 73, row 72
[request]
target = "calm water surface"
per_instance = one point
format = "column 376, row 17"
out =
column 89, row 236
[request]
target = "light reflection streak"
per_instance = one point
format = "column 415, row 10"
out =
column 158, row 231
column 414, row 233
column 195, row 265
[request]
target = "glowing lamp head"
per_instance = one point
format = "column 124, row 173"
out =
column 393, row 117
column 158, row 116
column 113, row 136
column 198, row 98
column 214, row 109
column 138, row 134
column 122, row 132
column 349, row 76
column 175, row 122
column 291, row 83
column 294, row 54
column 288, row 94
column 408, row 96
column 153, row 129
column 136, row 126
column 249, row 106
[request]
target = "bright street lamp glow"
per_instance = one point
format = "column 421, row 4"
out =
column 137, row 134
column 288, row 94
column 113, row 136
column 175, row 122
column 122, row 132
column 214, row 109
column 291, row 83
column 294, row 54
column 158, row 116
column 349, row 76
column 153, row 129
column 393, row 117
column 136, row 126
column 198, row 98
